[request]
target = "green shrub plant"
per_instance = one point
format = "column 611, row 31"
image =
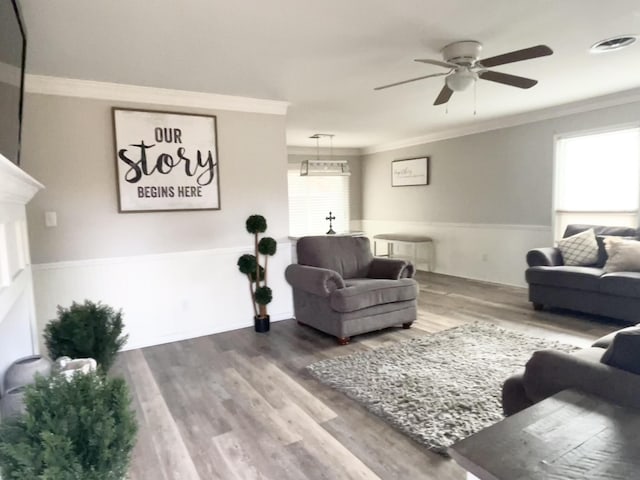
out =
column 87, row 330
column 74, row 429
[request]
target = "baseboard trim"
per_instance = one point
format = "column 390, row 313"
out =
column 180, row 336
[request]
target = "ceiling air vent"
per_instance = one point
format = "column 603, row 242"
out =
column 615, row 43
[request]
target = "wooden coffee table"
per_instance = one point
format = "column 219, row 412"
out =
column 569, row 436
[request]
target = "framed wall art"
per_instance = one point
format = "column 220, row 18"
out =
column 412, row 171
column 166, row 161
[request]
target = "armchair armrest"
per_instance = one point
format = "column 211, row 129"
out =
column 549, row 372
column 314, row 280
column 390, row 268
column 544, row 257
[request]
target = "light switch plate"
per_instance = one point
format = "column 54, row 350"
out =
column 50, row 219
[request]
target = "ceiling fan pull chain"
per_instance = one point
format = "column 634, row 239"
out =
column 475, row 97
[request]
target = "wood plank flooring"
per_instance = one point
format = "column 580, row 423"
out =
column 238, row 405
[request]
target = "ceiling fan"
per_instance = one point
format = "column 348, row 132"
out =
column 465, row 67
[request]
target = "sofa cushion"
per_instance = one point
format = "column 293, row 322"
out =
column 579, row 249
column 366, row 292
column 579, row 278
column 624, row 284
column 604, row 342
column 624, row 255
column 574, row 228
column 624, row 351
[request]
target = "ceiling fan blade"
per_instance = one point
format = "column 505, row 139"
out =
column 436, row 62
column 505, row 78
column 517, row 56
column 411, row 80
column 444, row 96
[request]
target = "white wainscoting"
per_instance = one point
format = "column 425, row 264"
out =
column 489, row 252
column 166, row 297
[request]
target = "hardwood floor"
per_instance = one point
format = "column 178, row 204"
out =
column 238, row 405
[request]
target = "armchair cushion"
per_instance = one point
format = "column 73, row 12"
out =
column 390, row 268
column 349, row 256
column 365, row 292
column 314, row 280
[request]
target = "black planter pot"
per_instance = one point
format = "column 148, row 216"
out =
column 261, row 325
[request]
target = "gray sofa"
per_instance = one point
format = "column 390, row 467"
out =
column 340, row 288
column 610, row 369
column 588, row 288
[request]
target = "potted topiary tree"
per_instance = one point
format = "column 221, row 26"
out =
column 249, row 265
column 77, row 428
column 88, row 330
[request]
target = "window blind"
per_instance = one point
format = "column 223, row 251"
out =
column 598, row 179
column 311, row 198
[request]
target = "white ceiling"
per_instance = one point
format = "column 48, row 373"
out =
column 326, row 57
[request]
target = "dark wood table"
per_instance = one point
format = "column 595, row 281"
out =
column 569, row 436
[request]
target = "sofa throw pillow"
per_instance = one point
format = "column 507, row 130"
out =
column 579, row 249
column 624, row 351
column 623, row 255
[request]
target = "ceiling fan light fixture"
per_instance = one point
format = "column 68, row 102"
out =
column 461, row 80
column 614, row 43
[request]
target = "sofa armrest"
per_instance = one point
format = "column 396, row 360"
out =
column 390, row 268
column 314, row 280
column 549, row 372
column 544, row 257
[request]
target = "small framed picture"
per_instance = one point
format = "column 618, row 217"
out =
column 411, row 171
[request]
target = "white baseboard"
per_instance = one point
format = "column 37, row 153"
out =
column 489, row 252
column 166, row 297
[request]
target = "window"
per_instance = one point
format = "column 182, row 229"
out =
column 311, row 198
column 597, row 179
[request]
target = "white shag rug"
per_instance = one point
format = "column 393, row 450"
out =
column 440, row 388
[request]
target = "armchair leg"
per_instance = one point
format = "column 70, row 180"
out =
column 344, row 340
column 407, row 325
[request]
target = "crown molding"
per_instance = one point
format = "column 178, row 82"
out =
column 581, row 106
column 296, row 150
column 72, row 87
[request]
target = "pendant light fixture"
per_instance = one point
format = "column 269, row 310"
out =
column 319, row 167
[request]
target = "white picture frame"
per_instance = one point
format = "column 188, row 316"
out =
column 410, row 172
column 166, row 161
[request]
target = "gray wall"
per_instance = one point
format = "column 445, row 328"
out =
column 355, row 179
column 499, row 177
column 68, row 145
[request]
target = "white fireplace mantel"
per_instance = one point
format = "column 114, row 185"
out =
column 16, row 186
column 18, row 331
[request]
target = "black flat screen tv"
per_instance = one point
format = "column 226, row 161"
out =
column 13, row 46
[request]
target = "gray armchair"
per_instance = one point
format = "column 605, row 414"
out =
column 341, row 289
